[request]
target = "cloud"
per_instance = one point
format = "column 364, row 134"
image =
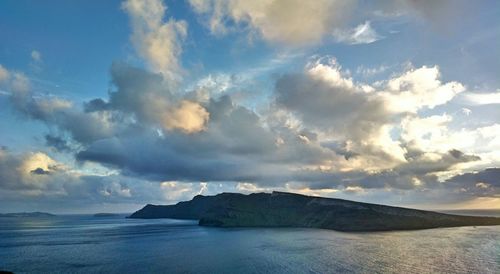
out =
column 145, row 95
column 324, row 132
column 14, row 80
column 94, row 105
column 484, row 183
column 235, row 146
column 20, row 83
column 35, row 180
column 372, row 126
column 39, row 180
column 353, row 120
column 188, row 116
column 282, row 21
column 4, row 74
column 318, row 131
column 22, row 172
column 276, row 21
column 433, row 134
column 440, row 14
column 156, row 41
column 83, row 127
column 140, row 97
column 334, row 100
column 482, row 98
column 58, row 143
column 328, row 130
column 419, row 88
column 362, row 34
column 36, row 61
column 327, row 100
column 36, row 56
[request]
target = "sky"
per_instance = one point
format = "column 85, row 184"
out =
column 109, row 105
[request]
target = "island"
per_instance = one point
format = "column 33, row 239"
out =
column 104, row 215
column 282, row 209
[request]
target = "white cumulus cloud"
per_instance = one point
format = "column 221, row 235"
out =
column 156, row 41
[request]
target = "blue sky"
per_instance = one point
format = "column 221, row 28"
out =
column 115, row 104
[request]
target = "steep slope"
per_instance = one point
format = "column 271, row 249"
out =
column 281, row 209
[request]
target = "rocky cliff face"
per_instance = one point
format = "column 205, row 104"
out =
column 280, row 209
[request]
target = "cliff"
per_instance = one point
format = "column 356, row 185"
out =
column 280, row 209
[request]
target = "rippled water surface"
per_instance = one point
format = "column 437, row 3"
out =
column 86, row 244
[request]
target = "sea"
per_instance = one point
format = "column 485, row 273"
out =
column 115, row 244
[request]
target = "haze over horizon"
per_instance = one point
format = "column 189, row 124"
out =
column 107, row 106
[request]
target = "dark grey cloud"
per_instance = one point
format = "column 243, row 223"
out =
column 146, row 98
column 419, row 164
column 8, row 165
column 83, row 127
column 234, row 147
column 40, row 171
column 483, row 183
column 137, row 98
column 56, row 142
column 459, row 155
column 327, row 106
column 97, row 104
column 489, row 176
column 138, row 92
column 340, row 148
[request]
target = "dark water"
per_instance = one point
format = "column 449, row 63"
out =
column 86, row 244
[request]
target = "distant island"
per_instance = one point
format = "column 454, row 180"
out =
column 105, row 215
column 281, row 209
column 27, row 214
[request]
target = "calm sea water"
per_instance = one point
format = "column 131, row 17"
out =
column 86, row 244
